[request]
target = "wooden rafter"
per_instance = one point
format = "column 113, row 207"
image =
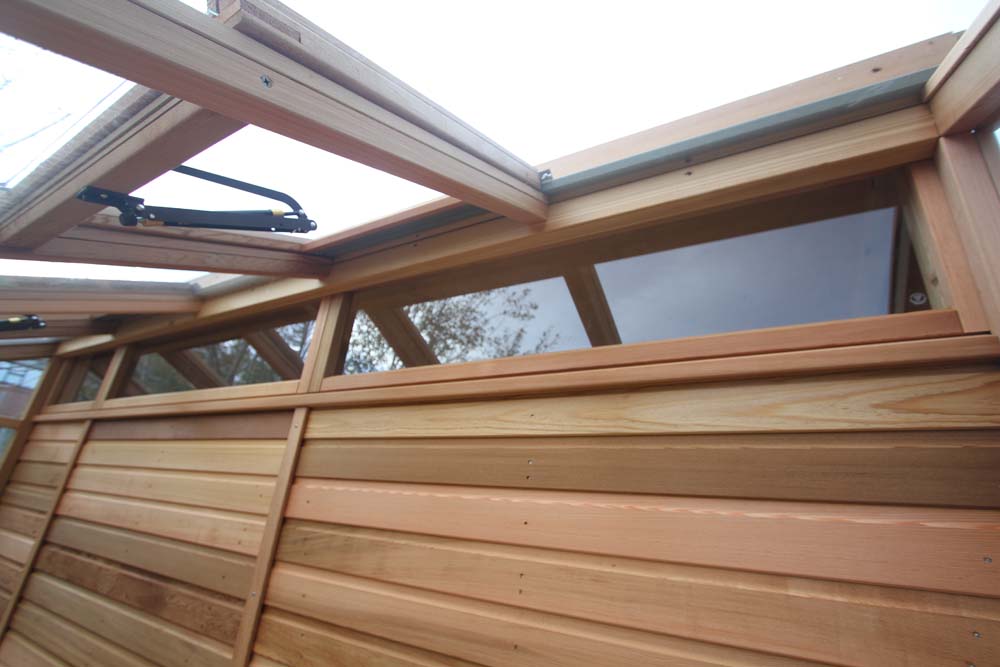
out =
column 194, row 369
column 403, row 336
column 273, row 349
column 592, row 305
column 101, row 240
column 49, row 296
column 964, row 92
column 186, row 54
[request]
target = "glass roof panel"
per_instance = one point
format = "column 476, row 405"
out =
column 47, row 99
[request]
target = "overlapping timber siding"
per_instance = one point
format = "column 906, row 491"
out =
column 149, row 558
column 837, row 520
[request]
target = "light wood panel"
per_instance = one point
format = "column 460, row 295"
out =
column 165, row 643
column 264, row 425
column 26, row 522
column 848, row 624
column 188, row 607
column 917, row 399
column 921, row 468
column 488, row 634
column 912, row 547
column 255, row 457
column 16, row 651
column 230, row 531
column 212, row 569
column 25, row 496
column 240, row 493
column 75, row 645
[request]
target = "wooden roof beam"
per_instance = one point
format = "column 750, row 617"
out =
column 592, row 305
column 964, row 91
column 273, row 349
column 194, row 369
column 403, row 336
column 18, row 351
column 53, row 296
column 102, row 241
column 176, row 49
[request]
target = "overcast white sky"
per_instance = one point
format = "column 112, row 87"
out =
column 544, row 79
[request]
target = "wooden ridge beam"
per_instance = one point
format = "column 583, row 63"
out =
column 964, row 92
column 403, row 336
column 186, row 54
column 167, row 134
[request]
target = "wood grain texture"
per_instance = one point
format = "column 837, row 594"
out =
column 264, row 425
column 489, row 634
column 39, row 474
column 880, row 545
column 211, row 615
column 938, row 245
column 47, row 451
column 212, row 569
column 148, row 636
column 919, row 468
column 848, row 624
column 246, row 457
column 302, row 642
column 10, row 572
column 230, row 531
column 15, row 547
column 243, row 647
column 912, row 400
column 26, row 522
column 17, row 651
column 239, row 493
column 70, row 642
column 30, row 497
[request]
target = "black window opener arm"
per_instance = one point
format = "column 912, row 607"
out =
column 133, row 210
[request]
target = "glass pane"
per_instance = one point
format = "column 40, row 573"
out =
column 261, row 354
column 829, row 270
column 368, row 351
column 18, row 380
column 6, row 435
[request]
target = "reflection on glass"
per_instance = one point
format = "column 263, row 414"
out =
column 18, row 380
column 153, row 375
column 6, row 435
column 829, row 270
column 509, row 321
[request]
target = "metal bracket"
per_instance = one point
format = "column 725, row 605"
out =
column 21, row 323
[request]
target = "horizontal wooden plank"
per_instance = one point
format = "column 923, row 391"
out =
column 303, row 642
column 48, row 451
column 15, row 546
column 212, row 569
column 17, row 651
column 263, row 425
column 860, row 331
column 239, row 493
column 489, row 634
column 261, row 661
column 40, row 474
column 847, row 624
column 914, row 467
column 255, row 457
column 914, row 399
column 205, row 613
column 230, row 531
column 10, row 574
column 934, row 549
column 148, row 636
column 234, row 394
column 29, row 497
column 70, row 642
column 69, row 431
column 26, row 522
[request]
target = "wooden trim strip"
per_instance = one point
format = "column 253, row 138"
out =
column 882, row 356
column 29, row 564
column 10, row 422
column 329, row 342
column 860, row 331
column 965, row 91
column 243, row 647
column 592, row 305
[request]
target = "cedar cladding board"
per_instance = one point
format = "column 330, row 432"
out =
column 819, row 495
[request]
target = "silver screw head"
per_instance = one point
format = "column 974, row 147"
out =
column 266, row 80
column 918, row 298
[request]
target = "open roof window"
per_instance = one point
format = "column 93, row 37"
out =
column 18, row 380
column 47, row 100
